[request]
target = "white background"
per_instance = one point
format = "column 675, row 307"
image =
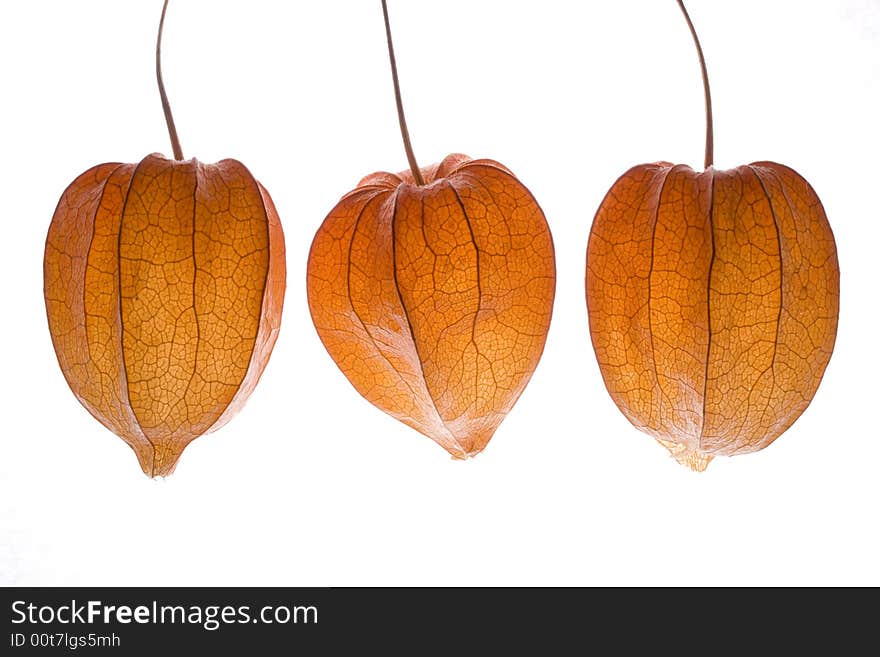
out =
column 310, row 484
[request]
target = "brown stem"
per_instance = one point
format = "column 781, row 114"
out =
column 413, row 165
column 169, row 120
column 710, row 145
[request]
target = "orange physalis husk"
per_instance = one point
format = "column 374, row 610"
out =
column 713, row 302
column 435, row 300
column 164, row 283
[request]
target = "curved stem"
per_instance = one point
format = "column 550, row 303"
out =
column 413, row 165
column 169, row 120
column 710, row 145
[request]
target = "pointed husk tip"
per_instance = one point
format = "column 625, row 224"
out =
column 692, row 458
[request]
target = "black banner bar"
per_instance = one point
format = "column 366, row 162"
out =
column 168, row 621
